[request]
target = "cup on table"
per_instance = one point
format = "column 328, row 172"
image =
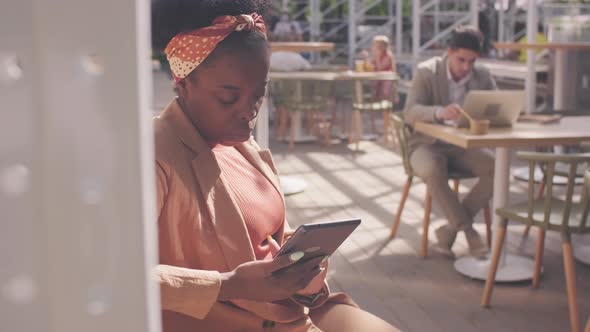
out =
column 359, row 65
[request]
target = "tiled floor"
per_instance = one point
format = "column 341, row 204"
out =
column 388, row 278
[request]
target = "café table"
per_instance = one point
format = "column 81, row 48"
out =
column 357, row 77
column 301, row 46
column 568, row 131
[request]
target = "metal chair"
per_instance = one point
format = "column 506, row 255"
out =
column 313, row 98
column 560, row 169
column 549, row 213
column 369, row 104
column 402, row 132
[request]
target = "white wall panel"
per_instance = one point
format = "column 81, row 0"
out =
column 23, row 241
column 76, row 154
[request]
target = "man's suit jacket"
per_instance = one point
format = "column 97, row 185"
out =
column 202, row 231
column 430, row 90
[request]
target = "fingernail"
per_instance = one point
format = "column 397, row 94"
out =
column 294, row 257
column 325, row 259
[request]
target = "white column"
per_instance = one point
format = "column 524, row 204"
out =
column 501, row 22
column 531, row 76
column 351, row 32
column 77, row 167
column 436, row 17
column 399, row 19
column 316, row 17
column 474, row 8
column 416, row 30
column 501, row 28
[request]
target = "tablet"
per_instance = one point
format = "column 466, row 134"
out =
column 319, row 239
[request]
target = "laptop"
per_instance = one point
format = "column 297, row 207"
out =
column 501, row 107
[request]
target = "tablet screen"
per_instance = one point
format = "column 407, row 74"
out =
column 319, row 239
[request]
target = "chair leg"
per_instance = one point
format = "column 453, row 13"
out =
column 373, row 123
column 308, row 120
column 325, row 129
column 334, row 119
column 570, row 279
column 328, row 132
column 352, row 129
column 456, row 186
column 358, row 130
column 345, row 127
column 400, row 208
column 540, row 189
column 487, row 291
column 426, row 223
column 487, row 217
column 313, row 123
column 539, row 258
column 283, row 120
column 385, row 127
column 538, row 195
column 292, row 135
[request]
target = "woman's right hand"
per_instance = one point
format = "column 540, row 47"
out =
column 268, row 280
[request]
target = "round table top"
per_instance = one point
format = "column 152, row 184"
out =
column 334, row 76
column 301, row 46
column 542, row 46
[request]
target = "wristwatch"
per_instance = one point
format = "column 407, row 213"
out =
column 309, row 300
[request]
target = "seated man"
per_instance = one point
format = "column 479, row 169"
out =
column 436, row 95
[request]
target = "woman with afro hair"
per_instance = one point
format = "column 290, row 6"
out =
column 221, row 214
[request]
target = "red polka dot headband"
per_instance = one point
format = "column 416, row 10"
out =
column 187, row 50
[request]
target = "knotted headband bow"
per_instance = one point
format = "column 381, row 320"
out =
column 187, row 50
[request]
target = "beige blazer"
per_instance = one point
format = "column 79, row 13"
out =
column 430, row 90
column 202, row 231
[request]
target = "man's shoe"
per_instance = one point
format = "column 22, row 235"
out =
column 476, row 246
column 445, row 236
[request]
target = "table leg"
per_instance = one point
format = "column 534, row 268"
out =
column 511, row 267
column 356, row 123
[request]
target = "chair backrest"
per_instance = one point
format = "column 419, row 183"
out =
column 403, row 133
column 309, row 94
column 280, row 91
column 369, row 91
column 550, row 160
